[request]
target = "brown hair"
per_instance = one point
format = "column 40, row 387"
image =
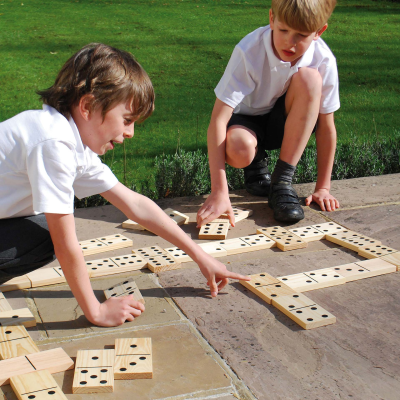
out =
column 112, row 76
column 303, row 15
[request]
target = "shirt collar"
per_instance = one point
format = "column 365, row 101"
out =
column 80, row 147
column 273, row 60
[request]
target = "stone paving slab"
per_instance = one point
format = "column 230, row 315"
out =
column 355, row 358
column 182, row 366
column 62, row 316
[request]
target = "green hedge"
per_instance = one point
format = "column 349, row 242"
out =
column 186, row 173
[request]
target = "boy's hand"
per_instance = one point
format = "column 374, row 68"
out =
column 217, row 275
column 116, row 310
column 216, row 204
column 324, row 199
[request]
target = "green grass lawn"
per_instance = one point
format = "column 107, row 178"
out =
column 185, row 46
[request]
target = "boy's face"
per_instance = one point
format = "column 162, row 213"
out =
column 101, row 135
column 289, row 44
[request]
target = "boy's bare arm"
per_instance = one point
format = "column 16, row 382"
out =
column 144, row 211
column 326, row 146
column 70, row 257
column 218, row 201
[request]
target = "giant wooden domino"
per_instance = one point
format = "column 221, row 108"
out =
column 133, row 359
column 176, row 216
column 36, row 385
column 125, row 288
column 94, row 371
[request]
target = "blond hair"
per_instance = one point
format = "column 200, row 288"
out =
column 110, row 75
column 303, row 15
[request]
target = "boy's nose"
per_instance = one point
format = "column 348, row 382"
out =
column 129, row 131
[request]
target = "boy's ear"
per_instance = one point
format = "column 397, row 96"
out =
column 271, row 18
column 320, row 32
column 85, row 106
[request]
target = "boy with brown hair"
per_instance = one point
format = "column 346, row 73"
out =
column 48, row 156
column 280, row 82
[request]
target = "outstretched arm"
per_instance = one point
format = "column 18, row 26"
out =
column 326, row 147
column 218, row 201
column 144, row 211
column 70, row 257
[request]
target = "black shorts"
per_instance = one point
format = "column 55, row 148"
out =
column 269, row 128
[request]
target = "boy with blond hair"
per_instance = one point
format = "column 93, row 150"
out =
column 280, row 84
column 48, row 156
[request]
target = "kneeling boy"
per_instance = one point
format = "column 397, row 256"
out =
column 48, row 156
column 280, row 82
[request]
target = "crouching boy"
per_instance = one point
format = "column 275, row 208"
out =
column 280, row 85
column 48, row 156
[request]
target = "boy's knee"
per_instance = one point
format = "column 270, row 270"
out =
column 240, row 148
column 307, row 81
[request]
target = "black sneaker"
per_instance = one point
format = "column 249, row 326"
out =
column 257, row 179
column 285, row 203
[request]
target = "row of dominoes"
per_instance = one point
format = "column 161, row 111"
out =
column 176, row 216
column 295, row 305
column 158, row 259
column 95, row 370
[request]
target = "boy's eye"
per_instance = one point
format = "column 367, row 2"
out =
column 128, row 121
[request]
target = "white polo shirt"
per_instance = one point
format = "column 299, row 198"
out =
column 255, row 78
column 43, row 164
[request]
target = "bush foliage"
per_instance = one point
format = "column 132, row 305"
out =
column 186, row 173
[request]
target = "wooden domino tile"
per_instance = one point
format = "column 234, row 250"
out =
column 289, row 242
column 162, row 263
column 129, row 224
column 351, row 240
column 273, row 291
column 116, row 241
column 4, row 304
column 125, row 288
column 20, row 282
column 12, row 332
column 55, row 360
column 293, row 301
column 273, row 231
column 213, row 249
column 176, row 216
column 326, row 277
column 239, row 214
column 46, row 276
column 393, row 258
column 101, row 267
column 129, row 262
column 13, row 367
column 309, row 317
column 22, row 316
column 147, row 252
column 17, row 347
column 133, row 358
column 234, row 246
column 308, row 233
column 377, row 266
column 214, row 230
column 298, row 282
column 259, row 280
column 376, row 251
column 352, row 272
column 92, row 246
column 105, row 243
column 178, row 254
column 259, row 242
column 94, row 371
column 38, row 385
column 329, row 227
column 312, row 280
